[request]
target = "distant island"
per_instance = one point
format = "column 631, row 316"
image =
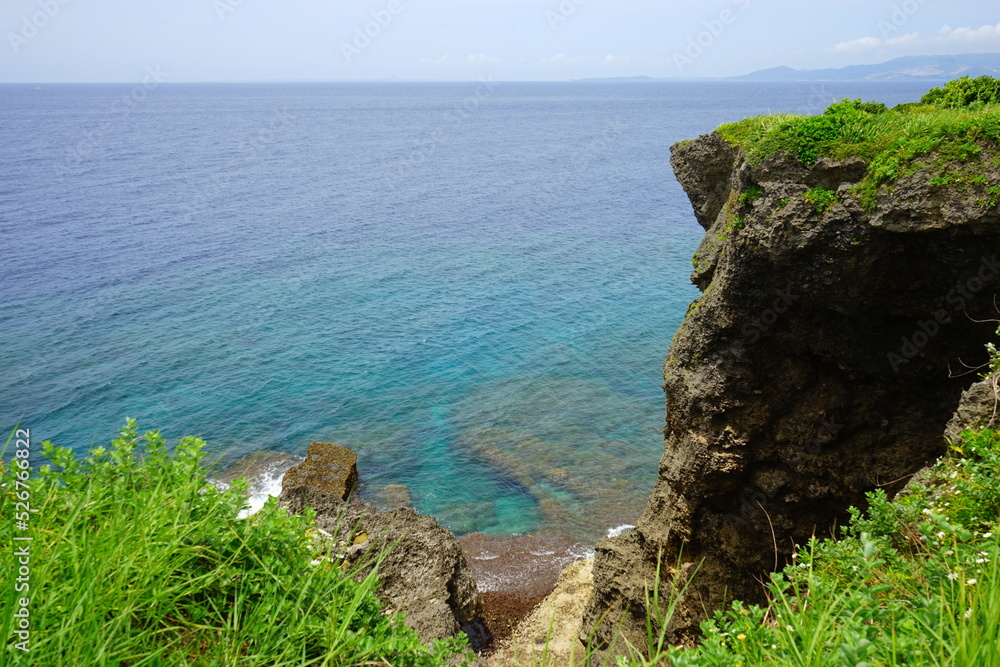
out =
column 909, row 68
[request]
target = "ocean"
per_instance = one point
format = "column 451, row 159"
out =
column 473, row 285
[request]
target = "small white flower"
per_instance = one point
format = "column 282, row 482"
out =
column 774, row 646
column 981, row 560
column 987, row 535
column 789, row 628
column 968, row 613
column 984, row 553
column 941, row 535
column 949, row 552
column 953, row 575
column 972, row 582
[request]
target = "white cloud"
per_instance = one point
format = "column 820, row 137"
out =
column 987, row 35
column 857, row 45
column 912, row 38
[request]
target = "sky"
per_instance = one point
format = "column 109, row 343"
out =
column 462, row 40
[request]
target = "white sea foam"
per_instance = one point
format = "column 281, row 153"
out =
column 620, row 530
column 262, row 488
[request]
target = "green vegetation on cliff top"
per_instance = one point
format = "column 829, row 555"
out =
column 954, row 122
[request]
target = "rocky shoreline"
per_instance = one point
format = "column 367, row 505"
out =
column 513, row 575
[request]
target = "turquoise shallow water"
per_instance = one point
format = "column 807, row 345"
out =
column 476, row 296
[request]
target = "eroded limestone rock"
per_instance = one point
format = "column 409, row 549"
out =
column 326, row 478
column 816, row 366
column 423, row 572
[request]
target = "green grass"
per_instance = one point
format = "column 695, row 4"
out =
column 137, row 559
column 911, row 582
column 890, row 141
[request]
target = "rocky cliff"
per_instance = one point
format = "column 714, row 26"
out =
column 822, row 360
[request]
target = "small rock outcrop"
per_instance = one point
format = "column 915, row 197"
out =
column 978, row 408
column 323, row 481
column 821, row 361
column 422, row 570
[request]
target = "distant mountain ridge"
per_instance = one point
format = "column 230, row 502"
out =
column 908, row 68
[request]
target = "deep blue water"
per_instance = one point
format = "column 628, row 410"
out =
column 472, row 286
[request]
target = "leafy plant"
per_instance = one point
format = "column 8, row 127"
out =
column 965, row 92
column 750, row 195
column 822, row 200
